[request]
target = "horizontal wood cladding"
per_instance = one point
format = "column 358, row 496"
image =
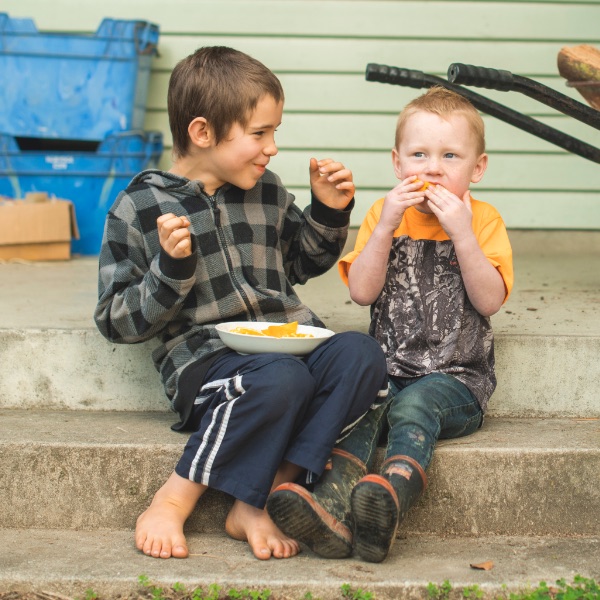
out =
column 575, row 21
column 522, row 209
column 375, row 132
column 320, row 49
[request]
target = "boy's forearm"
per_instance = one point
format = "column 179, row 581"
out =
column 483, row 283
column 115, row 315
column 312, row 247
column 367, row 274
column 124, row 297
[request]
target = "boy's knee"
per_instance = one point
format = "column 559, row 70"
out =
column 281, row 389
column 361, row 351
column 291, row 379
column 360, row 345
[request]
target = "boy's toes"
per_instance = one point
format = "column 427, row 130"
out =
column 179, row 551
column 274, row 547
column 262, row 552
column 157, row 548
column 170, row 548
column 165, row 542
column 145, row 545
column 140, row 541
column 285, row 548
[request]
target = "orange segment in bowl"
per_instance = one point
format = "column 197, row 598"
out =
column 246, row 331
column 277, row 331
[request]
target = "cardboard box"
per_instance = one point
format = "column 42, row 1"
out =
column 37, row 228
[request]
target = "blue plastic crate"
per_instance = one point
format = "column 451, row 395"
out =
column 91, row 179
column 75, row 86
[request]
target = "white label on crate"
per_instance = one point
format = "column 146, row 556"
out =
column 60, row 163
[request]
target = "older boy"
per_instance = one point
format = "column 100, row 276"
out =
column 434, row 264
column 218, row 238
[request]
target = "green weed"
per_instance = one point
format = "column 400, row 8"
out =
column 581, row 588
column 358, row 594
column 249, row 594
column 441, row 592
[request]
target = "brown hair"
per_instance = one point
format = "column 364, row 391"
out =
column 222, row 85
column 443, row 102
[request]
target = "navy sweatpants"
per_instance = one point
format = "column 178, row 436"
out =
column 254, row 411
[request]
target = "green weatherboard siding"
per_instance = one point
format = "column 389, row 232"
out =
column 320, row 48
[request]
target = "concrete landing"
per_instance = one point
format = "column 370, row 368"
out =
column 556, row 292
column 547, row 334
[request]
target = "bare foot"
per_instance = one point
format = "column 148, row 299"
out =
column 159, row 529
column 253, row 525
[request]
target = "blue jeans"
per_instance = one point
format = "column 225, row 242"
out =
column 419, row 412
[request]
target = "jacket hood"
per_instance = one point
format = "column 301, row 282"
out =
column 175, row 185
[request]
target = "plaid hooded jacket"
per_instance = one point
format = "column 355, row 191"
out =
column 249, row 248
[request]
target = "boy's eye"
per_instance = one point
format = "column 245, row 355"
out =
column 449, row 155
column 419, row 154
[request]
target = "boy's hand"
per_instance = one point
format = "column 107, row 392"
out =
column 397, row 200
column 455, row 215
column 331, row 183
column 174, row 235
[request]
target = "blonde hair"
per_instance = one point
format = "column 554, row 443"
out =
column 443, row 102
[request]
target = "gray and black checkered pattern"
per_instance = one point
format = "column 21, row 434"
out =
column 250, row 248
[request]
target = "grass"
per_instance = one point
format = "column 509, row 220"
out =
column 580, row 588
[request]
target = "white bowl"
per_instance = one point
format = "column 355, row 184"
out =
column 255, row 344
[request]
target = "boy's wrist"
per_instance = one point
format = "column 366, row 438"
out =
column 178, row 268
column 330, row 217
column 466, row 239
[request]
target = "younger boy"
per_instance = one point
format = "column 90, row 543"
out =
column 434, row 264
column 218, row 238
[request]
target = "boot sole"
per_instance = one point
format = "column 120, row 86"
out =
column 295, row 512
column 375, row 513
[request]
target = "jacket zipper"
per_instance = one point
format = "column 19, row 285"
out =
column 217, row 218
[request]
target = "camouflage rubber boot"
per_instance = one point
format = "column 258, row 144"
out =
column 321, row 519
column 380, row 503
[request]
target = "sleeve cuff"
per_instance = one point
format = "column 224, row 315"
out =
column 330, row 217
column 178, row 268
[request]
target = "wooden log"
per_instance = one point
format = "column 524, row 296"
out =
column 580, row 66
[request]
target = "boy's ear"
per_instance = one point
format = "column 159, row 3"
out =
column 200, row 132
column 396, row 163
column 480, row 167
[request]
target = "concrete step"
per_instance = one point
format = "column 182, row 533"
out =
column 547, row 335
column 71, row 562
column 99, row 470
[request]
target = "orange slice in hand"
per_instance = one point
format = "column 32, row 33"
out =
column 425, row 185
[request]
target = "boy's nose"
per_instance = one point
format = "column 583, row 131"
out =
column 271, row 149
column 433, row 166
